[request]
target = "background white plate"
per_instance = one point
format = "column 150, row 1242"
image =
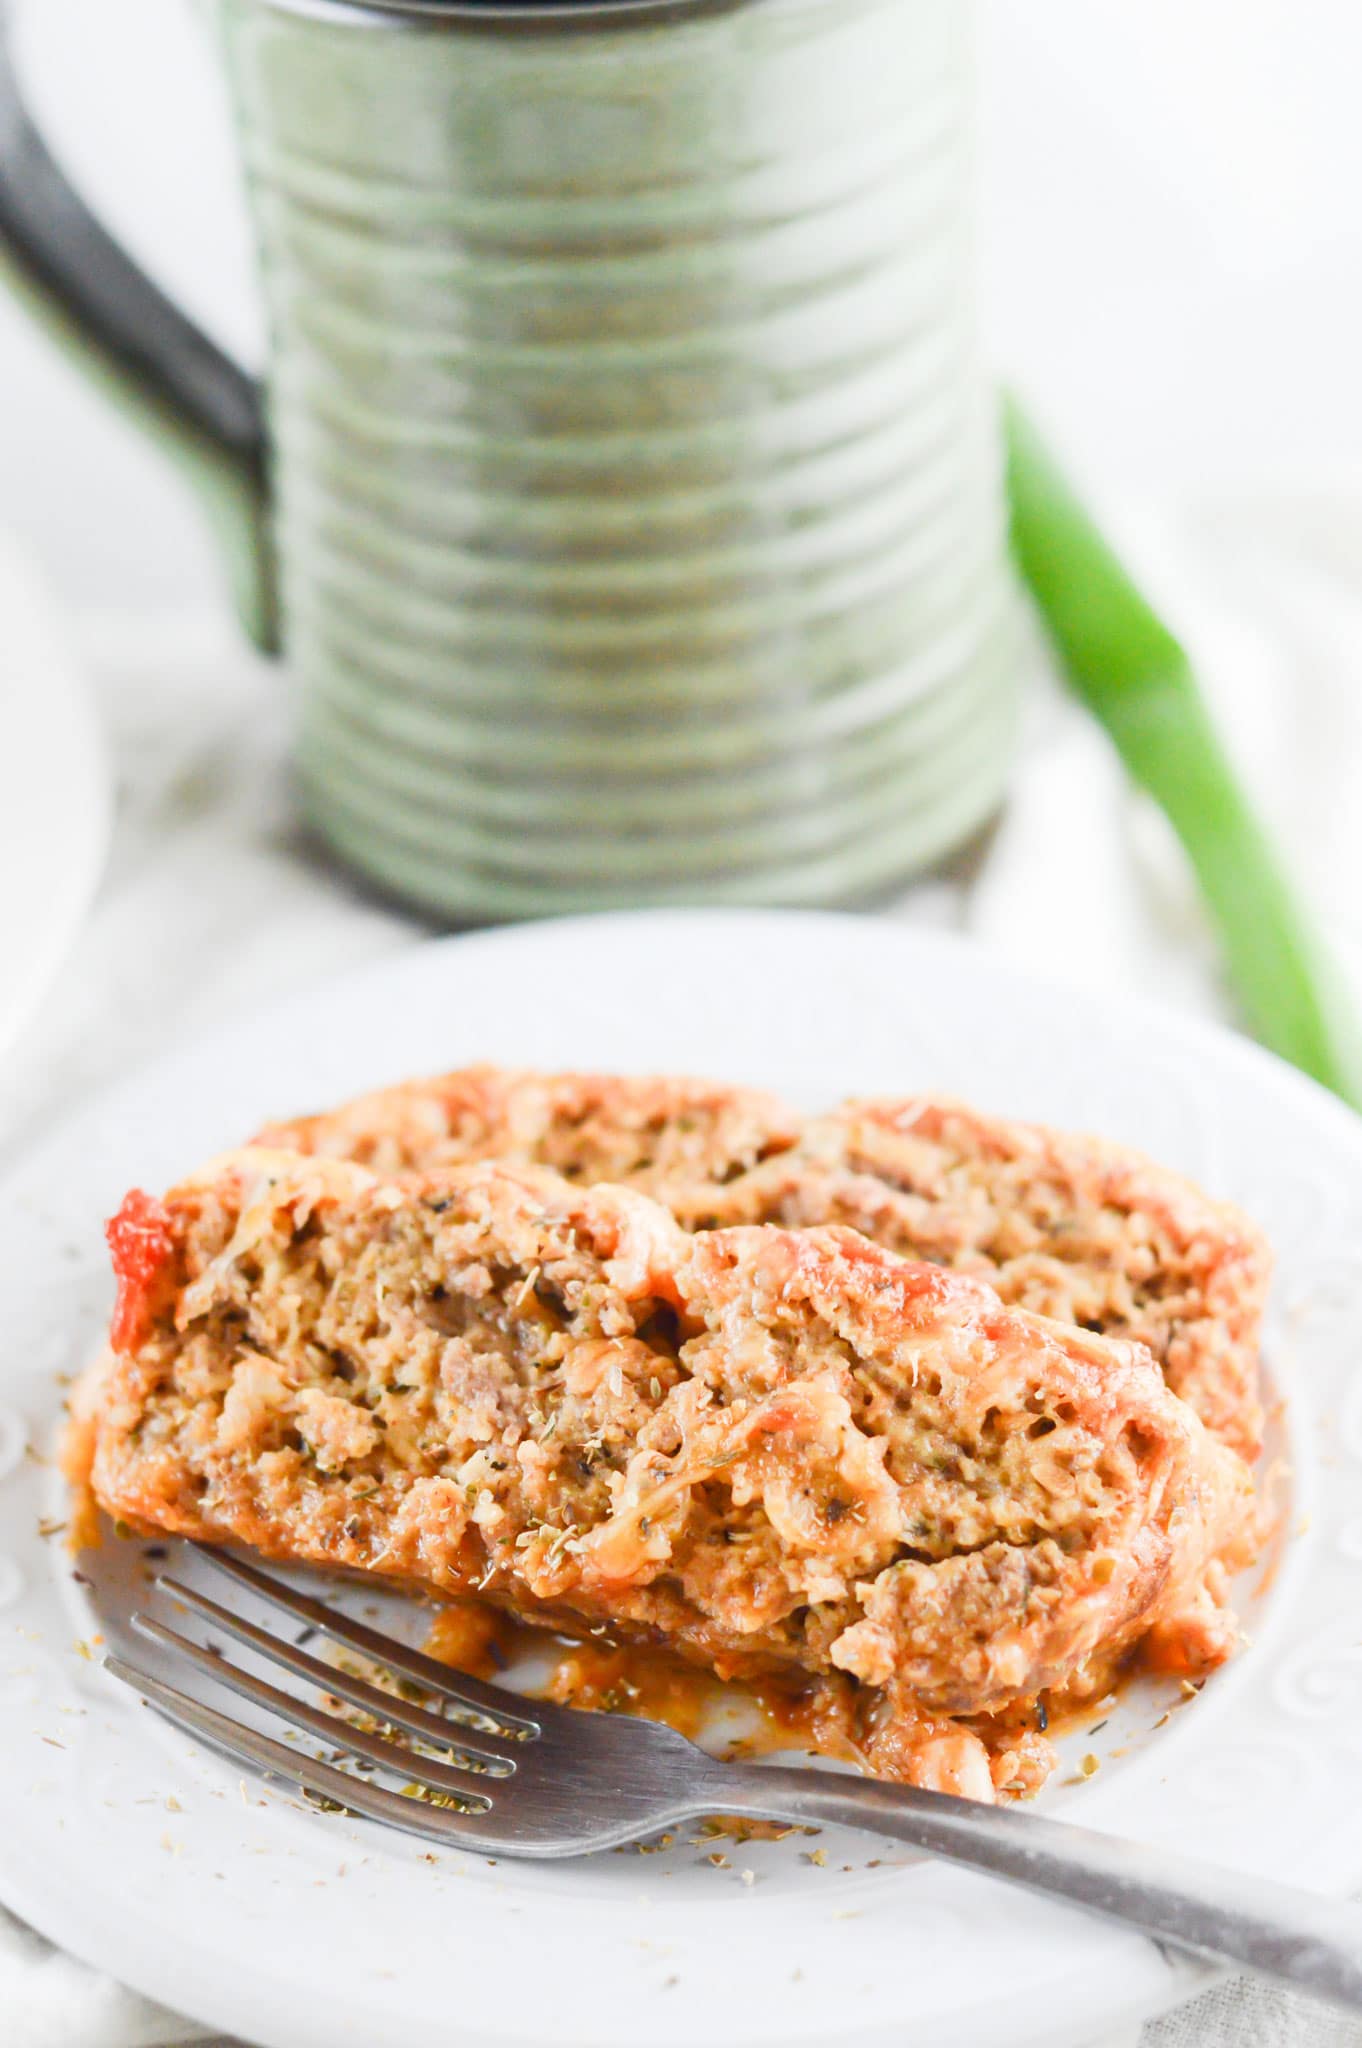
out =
column 54, row 796
column 152, row 1859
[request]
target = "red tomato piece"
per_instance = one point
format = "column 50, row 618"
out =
column 141, row 1241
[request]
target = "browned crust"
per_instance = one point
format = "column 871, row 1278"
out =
column 664, row 1134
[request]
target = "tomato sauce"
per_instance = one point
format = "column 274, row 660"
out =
column 605, row 1676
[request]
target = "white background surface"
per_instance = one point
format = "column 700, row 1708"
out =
column 1173, row 215
column 1173, row 240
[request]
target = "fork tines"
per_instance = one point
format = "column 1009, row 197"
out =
column 450, row 1760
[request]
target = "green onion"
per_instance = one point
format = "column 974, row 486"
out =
column 1134, row 676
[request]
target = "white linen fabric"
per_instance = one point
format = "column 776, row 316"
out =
column 215, row 900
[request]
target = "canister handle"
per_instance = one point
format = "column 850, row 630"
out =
column 204, row 408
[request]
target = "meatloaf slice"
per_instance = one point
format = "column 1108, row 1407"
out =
column 768, row 1448
column 1072, row 1227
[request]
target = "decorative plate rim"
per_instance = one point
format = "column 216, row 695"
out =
column 1261, row 1772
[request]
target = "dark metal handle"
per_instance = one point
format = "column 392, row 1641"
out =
column 1313, row 1944
column 125, row 330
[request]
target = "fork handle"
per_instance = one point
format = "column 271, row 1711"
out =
column 1295, row 1937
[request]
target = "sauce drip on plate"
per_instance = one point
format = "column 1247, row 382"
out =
column 825, row 1716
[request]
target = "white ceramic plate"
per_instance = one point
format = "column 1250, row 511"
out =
column 227, row 1900
column 54, row 797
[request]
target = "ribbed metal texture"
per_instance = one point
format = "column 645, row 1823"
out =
column 639, row 499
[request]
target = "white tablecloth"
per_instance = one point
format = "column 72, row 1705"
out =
column 214, row 900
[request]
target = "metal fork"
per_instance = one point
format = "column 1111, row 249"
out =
column 519, row 1777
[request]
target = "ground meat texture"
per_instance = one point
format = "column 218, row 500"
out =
column 772, row 1449
column 1071, row 1227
